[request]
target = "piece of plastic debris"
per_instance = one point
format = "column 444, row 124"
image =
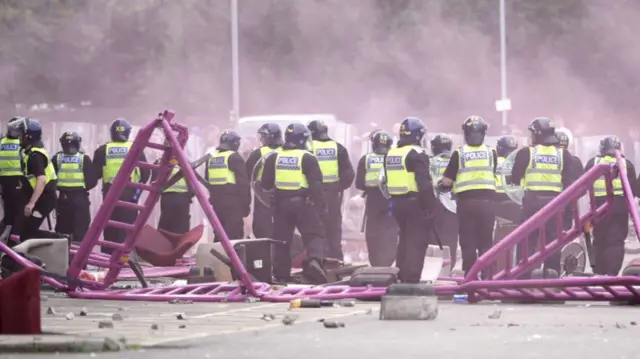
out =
column 83, row 312
column 289, row 319
column 70, row 316
column 51, row 311
column 181, row 316
column 105, row 324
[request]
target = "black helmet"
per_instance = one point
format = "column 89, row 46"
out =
column 609, row 145
column 319, row 130
column 270, row 134
column 120, row 130
column 441, row 143
column 229, row 140
column 543, row 131
column 381, row 142
column 506, row 145
column 474, row 129
column 11, row 130
column 563, row 139
column 70, row 142
column 296, row 136
column 29, row 131
column 412, row 130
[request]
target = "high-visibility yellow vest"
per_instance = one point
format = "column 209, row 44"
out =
column 70, row 170
column 440, row 163
column 399, row 180
column 218, row 169
column 544, row 172
column 327, row 154
column 373, row 163
column 499, row 174
column 289, row 176
column 115, row 153
column 475, row 169
column 600, row 187
column 10, row 157
column 49, row 171
column 178, row 187
column 264, row 151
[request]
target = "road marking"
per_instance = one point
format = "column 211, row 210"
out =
column 239, row 310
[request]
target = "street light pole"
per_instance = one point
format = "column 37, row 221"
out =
column 506, row 104
column 235, row 66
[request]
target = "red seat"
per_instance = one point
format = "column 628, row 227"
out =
column 20, row 303
column 162, row 248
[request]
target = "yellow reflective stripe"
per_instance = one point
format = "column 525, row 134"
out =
column 475, row 169
column 288, row 174
column 546, row 175
column 218, row 171
column 399, row 180
column 327, row 154
column 600, row 186
column 49, row 171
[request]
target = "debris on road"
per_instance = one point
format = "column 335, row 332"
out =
column 51, row 311
column 496, row 314
column 117, row 316
column 179, row 301
column 70, row 316
column 268, row 317
column 332, row 325
column 155, row 326
column 105, row 324
column 181, row 316
column 83, row 312
column 289, row 319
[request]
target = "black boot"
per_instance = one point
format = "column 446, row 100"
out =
column 314, row 272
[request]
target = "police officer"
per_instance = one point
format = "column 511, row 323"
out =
column 76, row 178
column 446, row 222
column 505, row 208
column 271, row 138
column 610, row 232
column 11, row 175
column 381, row 229
column 107, row 160
column 545, row 172
column 229, row 187
column 576, row 170
column 295, row 176
column 411, row 190
column 472, row 174
column 337, row 176
column 40, row 184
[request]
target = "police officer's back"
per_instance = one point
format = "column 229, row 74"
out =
column 381, row 230
column 472, row 174
column 505, row 207
column 296, row 179
column 337, row 176
column 610, row 232
column 76, row 178
column 576, row 169
column 411, row 190
column 228, row 184
column 546, row 171
column 11, row 175
column 271, row 138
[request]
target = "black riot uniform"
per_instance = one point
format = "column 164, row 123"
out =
column 381, row 229
column 505, row 208
column 472, row 172
column 76, row 178
column 413, row 200
column 337, row 176
column 11, row 177
column 545, row 171
column 229, row 186
column 576, row 170
column 271, row 138
column 610, row 233
column 295, row 176
column 107, row 160
column 446, row 222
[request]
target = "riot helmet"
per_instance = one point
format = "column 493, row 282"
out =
column 296, row 136
column 381, row 142
column 474, row 128
column 506, row 144
column 543, row 132
column 12, row 131
column 609, row 145
column 441, row 143
column 319, row 130
column 270, row 135
column 29, row 131
column 229, row 140
column 120, row 130
column 563, row 139
column 412, row 131
column 70, row 142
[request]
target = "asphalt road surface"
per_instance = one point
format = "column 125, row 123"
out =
column 237, row 331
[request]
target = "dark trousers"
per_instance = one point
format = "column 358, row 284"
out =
column 509, row 211
column 262, row 220
column 73, row 215
column 175, row 212
column 14, row 201
column 531, row 204
column 476, row 218
column 289, row 214
column 333, row 224
column 609, row 235
column 231, row 218
column 123, row 215
column 415, row 235
column 446, row 226
column 31, row 225
column 381, row 234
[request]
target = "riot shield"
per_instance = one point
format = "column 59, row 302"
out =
column 382, row 183
column 265, row 197
column 514, row 192
column 436, row 168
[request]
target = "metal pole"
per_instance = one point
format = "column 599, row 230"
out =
column 503, row 58
column 235, row 67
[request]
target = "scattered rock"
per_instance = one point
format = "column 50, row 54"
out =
column 70, row 316
column 178, row 301
column 121, row 309
column 51, row 311
column 155, row 326
column 117, row 316
column 633, row 323
column 44, row 298
column 620, row 326
column 321, row 320
column 113, row 345
column 182, row 326
column 105, row 324
column 83, row 312
column 496, row 314
column 181, row 316
column 267, row 317
column 331, row 324
column 289, row 319
column 512, row 325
